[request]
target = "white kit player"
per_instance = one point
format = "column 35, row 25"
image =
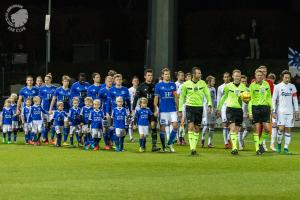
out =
column 226, row 79
column 132, row 92
column 181, row 130
column 285, row 103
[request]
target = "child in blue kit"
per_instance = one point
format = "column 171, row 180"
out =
column 59, row 118
column 7, row 115
column 75, row 119
column 119, row 116
column 95, row 119
column 27, row 120
column 142, row 117
column 85, row 126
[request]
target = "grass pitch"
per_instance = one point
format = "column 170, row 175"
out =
column 46, row 172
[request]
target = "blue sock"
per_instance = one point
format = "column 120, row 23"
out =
column 39, row 136
column 58, row 137
column 9, row 136
column 26, row 138
column 105, row 138
column 4, row 135
column 66, row 132
column 71, row 140
column 77, row 137
column 144, row 143
column 86, row 140
column 117, row 141
column 122, row 143
column 31, row 135
column 91, row 140
column 141, row 142
column 52, row 133
column 15, row 135
column 172, row 136
column 162, row 139
column 95, row 141
column 112, row 136
column 35, row 137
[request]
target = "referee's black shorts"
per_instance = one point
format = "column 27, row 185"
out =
column 261, row 114
column 194, row 115
column 234, row 115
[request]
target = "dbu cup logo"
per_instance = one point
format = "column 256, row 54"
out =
column 16, row 17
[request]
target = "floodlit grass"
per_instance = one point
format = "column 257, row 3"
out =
column 47, row 172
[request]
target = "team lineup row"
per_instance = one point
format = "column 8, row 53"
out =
column 111, row 111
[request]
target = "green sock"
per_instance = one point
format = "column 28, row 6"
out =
column 262, row 137
column 196, row 139
column 191, row 139
column 233, row 137
column 256, row 141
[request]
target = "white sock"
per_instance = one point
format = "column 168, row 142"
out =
column 279, row 137
column 225, row 130
column 210, row 135
column 204, row 130
column 240, row 138
column 245, row 133
column 168, row 131
column 274, row 135
column 287, row 140
column 130, row 133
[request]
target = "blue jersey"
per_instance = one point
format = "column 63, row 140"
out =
column 165, row 92
column 27, row 93
column 26, row 114
column 36, row 112
column 93, row 91
column 115, row 92
column 119, row 116
column 105, row 104
column 142, row 116
column 46, row 93
column 14, row 108
column 63, row 95
column 95, row 118
column 7, row 115
column 74, row 116
column 80, row 90
column 85, row 114
column 59, row 117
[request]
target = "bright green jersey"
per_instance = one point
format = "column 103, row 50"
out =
column 193, row 93
column 260, row 95
column 232, row 95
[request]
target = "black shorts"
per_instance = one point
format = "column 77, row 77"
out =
column 234, row 115
column 194, row 115
column 261, row 114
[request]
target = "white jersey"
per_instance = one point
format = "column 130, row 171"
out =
column 178, row 85
column 132, row 92
column 220, row 93
column 285, row 100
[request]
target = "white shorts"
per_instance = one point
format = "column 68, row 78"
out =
column 37, row 126
column 211, row 118
column 143, row 130
column 6, row 128
column 74, row 129
column 286, row 121
column 274, row 121
column 97, row 133
column 168, row 117
column 15, row 124
column 246, row 123
column 47, row 117
column 59, row 129
column 120, row 132
column 85, row 129
column 223, row 114
column 27, row 127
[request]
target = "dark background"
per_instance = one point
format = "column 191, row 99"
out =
column 81, row 31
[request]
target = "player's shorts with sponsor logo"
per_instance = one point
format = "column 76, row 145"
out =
column 286, row 120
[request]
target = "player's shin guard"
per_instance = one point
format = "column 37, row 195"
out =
column 172, row 136
column 191, row 140
column 162, row 139
column 204, row 130
column 287, row 140
column 274, row 135
column 262, row 137
column 196, row 139
column 256, row 141
column 154, row 136
column 210, row 135
column 9, row 136
column 225, row 130
column 66, row 132
column 233, row 137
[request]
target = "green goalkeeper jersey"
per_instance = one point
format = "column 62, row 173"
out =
column 232, row 95
column 193, row 93
column 260, row 95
